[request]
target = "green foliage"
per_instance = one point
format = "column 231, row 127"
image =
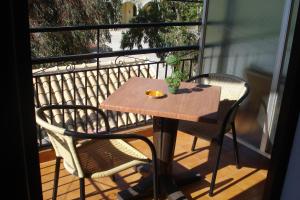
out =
column 52, row 13
column 152, row 36
column 177, row 76
column 155, row 37
column 173, row 60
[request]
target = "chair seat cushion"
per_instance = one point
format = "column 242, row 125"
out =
column 100, row 158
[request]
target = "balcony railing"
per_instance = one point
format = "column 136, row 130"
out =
column 92, row 82
column 89, row 85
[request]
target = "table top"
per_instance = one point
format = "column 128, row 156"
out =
column 193, row 102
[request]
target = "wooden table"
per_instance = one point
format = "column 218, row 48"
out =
column 192, row 102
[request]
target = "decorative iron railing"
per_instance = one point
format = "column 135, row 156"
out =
column 90, row 85
column 92, row 82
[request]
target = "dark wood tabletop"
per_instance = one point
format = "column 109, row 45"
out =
column 193, row 102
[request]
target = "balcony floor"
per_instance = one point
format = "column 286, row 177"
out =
column 245, row 183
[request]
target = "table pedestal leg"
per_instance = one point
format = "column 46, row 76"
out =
column 164, row 138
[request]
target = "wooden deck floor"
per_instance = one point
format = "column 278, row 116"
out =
column 245, row 183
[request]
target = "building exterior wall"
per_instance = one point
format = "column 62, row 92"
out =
column 127, row 12
column 291, row 183
column 138, row 3
column 130, row 9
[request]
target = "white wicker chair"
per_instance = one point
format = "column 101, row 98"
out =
column 94, row 152
column 233, row 91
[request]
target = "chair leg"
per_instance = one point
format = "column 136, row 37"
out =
column 82, row 189
column 155, row 175
column 214, row 176
column 113, row 178
column 155, row 183
column 194, row 144
column 56, row 177
column 235, row 145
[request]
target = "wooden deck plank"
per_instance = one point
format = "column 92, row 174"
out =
column 232, row 183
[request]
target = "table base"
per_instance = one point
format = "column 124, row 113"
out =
column 164, row 139
column 168, row 187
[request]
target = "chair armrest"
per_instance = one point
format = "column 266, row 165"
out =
column 120, row 136
column 197, row 77
column 110, row 136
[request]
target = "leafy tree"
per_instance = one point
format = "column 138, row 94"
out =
column 52, row 13
column 163, row 11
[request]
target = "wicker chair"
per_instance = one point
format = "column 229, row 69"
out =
column 233, row 91
column 92, row 152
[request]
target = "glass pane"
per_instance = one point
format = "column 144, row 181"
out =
column 247, row 36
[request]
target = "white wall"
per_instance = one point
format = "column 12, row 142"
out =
column 291, row 188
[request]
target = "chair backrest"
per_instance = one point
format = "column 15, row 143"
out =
column 232, row 88
column 233, row 91
column 88, row 118
column 87, row 87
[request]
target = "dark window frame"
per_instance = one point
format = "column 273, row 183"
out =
column 22, row 137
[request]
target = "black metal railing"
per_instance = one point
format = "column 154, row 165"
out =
column 111, row 26
column 55, row 84
column 78, row 57
column 52, row 86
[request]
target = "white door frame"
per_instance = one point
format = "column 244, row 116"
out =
column 268, row 129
